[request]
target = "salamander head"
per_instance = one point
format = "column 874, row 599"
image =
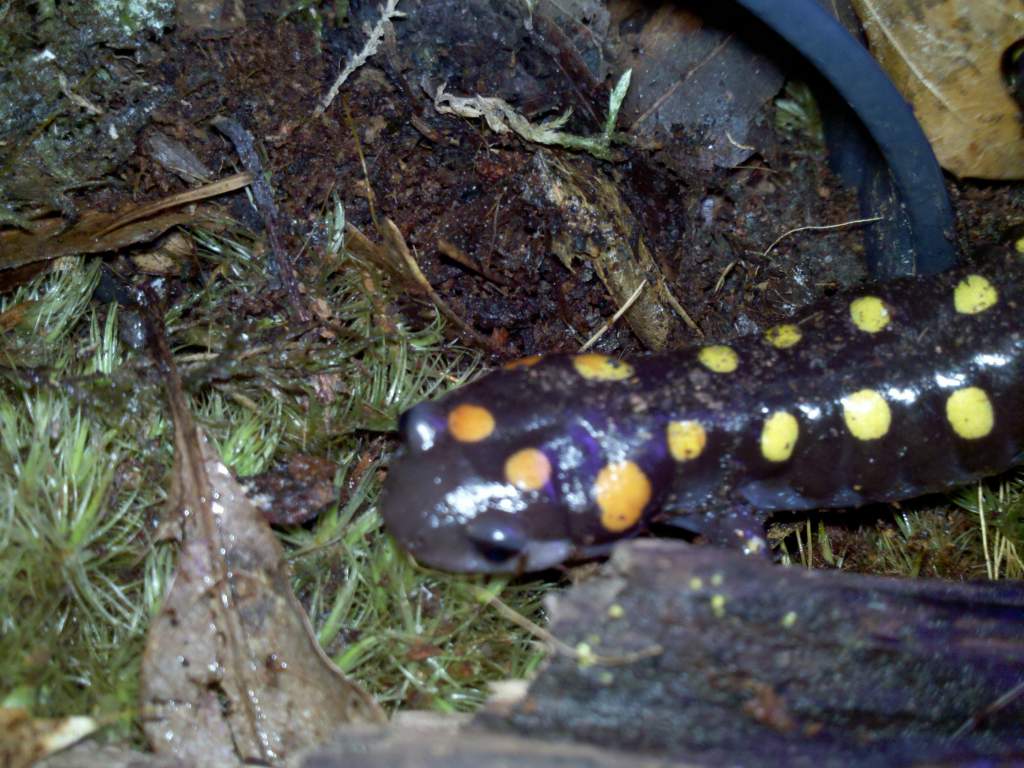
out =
column 447, row 503
column 520, row 471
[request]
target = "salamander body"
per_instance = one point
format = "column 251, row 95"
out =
column 886, row 393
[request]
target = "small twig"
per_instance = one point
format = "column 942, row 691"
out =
column 396, row 244
column 817, row 227
column 456, row 254
column 1001, row 703
column 622, row 310
column 583, row 654
column 263, row 196
column 370, row 47
column 227, row 184
column 370, row 196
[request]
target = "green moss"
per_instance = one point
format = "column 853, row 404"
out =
column 87, row 457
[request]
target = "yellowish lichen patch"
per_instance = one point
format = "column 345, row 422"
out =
column 621, row 491
column 779, row 435
column 686, row 439
column 597, row 367
column 974, row 294
column 523, row 362
column 783, row 336
column 866, row 414
column 719, row 358
column 470, row 423
column 869, row 314
column 970, row 413
column 528, row 469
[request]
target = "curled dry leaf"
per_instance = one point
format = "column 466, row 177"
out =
column 945, row 58
column 232, row 671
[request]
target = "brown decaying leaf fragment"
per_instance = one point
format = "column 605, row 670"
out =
column 98, row 232
column 24, row 739
column 944, row 56
column 597, row 225
column 232, row 671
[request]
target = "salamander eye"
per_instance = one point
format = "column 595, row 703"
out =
column 497, row 540
column 419, row 426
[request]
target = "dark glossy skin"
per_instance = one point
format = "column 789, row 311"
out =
column 850, row 413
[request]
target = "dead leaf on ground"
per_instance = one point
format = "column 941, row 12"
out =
column 232, row 671
column 98, row 231
column 945, row 59
column 695, row 72
column 24, row 740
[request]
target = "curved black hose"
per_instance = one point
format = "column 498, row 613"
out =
column 857, row 77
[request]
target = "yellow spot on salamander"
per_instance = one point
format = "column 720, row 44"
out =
column 718, row 605
column 974, row 294
column 696, row 583
column 1018, row 245
column 717, row 579
column 601, row 367
column 616, row 611
column 783, row 336
column 719, row 358
column 866, row 414
column 621, row 491
column 528, row 469
column 686, row 439
column 869, row 313
column 970, row 413
column 523, row 362
column 789, row 619
column 778, row 436
column 470, row 423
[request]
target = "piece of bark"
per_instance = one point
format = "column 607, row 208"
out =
column 804, row 667
column 369, row 747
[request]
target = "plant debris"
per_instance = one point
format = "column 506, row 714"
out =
column 946, row 59
column 232, row 670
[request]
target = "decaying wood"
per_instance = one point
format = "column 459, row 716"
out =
column 807, row 667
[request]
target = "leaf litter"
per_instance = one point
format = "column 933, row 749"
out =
column 232, row 672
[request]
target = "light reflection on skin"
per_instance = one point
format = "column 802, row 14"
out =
column 466, row 501
column 811, row 411
column 947, row 381
column 991, row 360
column 906, row 395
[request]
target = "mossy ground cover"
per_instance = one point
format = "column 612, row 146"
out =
column 86, row 456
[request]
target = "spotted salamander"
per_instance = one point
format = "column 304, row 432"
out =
column 905, row 388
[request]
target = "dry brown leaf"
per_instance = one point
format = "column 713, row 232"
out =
column 692, row 68
column 944, row 56
column 97, row 231
column 232, row 671
column 25, row 739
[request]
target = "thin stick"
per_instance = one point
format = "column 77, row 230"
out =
column 786, row 234
column 582, row 654
column 622, row 310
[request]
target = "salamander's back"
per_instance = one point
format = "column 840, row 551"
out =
column 881, row 394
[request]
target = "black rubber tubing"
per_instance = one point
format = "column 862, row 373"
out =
column 858, row 78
